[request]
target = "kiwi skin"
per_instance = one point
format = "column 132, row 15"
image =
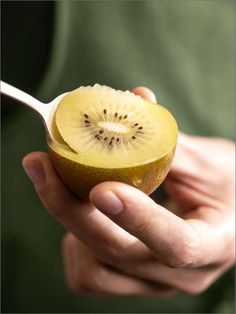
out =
column 80, row 178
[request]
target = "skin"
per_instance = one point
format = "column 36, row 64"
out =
column 123, row 243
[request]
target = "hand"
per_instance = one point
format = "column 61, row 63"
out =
column 122, row 243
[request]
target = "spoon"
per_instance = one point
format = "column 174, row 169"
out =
column 45, row 110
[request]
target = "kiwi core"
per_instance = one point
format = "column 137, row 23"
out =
column 113, row 127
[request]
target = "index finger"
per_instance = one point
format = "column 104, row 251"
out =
column 80, row 217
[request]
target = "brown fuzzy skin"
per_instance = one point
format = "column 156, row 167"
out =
column 81, row 179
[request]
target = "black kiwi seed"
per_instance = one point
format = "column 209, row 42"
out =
column 105, row 138
column 136, row 124
column 116, row 114
column 86, row 116
column 117, row 139
column 86, row 121
column 126, row 116
column 101, row 131
column 120, row 117
column 140, row 128
column 112, row 139
column 133, row 137
column 105, row 112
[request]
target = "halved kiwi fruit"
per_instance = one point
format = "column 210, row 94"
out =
column 109, row 135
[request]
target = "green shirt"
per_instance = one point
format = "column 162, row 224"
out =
column 183, row 50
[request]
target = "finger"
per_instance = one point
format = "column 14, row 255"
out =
column 87, row 274
column 145, row 93
column 181, row 157
column 189, row 196
column 189, row 281
column 169, row 237
column 80, row 217
column 183, row 161
column 50, row 188
column 186, row 159
column 68, row 257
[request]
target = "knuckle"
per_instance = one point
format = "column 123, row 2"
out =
column 89, row 279
column 184, row 257
column 93, row 281
column 96, row 280
column 122, row 254
column 82, row 281
column 140, row 227
column 117, row 255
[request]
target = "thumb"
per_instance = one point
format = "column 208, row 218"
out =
column 168, row 236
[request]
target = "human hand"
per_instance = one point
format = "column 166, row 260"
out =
column 122, row 243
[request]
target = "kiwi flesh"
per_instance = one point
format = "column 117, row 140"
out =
column 103, row 134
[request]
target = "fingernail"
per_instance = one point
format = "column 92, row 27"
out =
column 153, row 98
column 35, row 172
column 108, row 203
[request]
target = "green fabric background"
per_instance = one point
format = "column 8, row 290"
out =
column 183, row 50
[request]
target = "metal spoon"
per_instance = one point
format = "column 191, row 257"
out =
column 46, row 111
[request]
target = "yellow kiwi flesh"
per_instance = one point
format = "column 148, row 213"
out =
column 107, row 135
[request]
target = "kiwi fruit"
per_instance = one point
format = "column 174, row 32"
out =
column 102, row 134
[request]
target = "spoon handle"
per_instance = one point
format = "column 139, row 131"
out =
column 23, row 97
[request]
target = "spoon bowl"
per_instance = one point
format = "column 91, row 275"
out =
column 45, row 110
